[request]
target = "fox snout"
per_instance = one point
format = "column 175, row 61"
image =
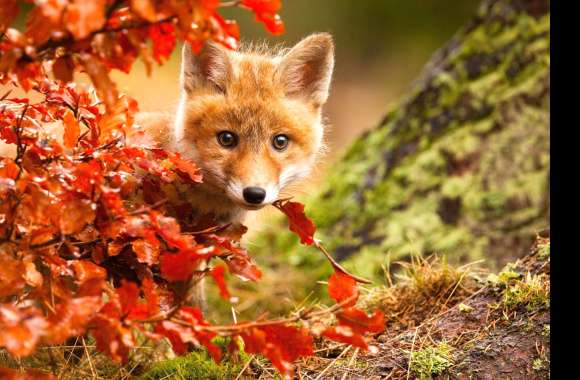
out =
column 254, row 194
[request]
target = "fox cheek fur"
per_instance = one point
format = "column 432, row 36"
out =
column 252, row 119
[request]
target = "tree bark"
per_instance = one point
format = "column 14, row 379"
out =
column 461, row 166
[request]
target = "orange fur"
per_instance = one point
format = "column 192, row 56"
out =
column 256, row 95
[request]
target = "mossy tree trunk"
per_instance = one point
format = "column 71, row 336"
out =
column 461, row 166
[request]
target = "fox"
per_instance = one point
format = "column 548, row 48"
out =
column 251, row 119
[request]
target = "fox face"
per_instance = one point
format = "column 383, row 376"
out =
column 252, row 120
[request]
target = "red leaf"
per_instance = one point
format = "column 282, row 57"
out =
column 163, row 37
column 128, row 295
column 180, row 334
column 86, row 271
column 217, row 273
column 360, row 322
column 345, row 334
column 8, row 12
column 282, row 345
column 342, row 287
column 187, row 167
column 146, row 252
column 182, row 265
column 11, row 275
column 83, row 17
column 7, row 134
column 71, row 318
column 29, row 374
column 300, row 224
column 266, row 12
column 20, row 329
column 112, row 337
column 72, row 130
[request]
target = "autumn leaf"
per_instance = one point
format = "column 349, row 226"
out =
column 360, row 322
column 105, row 87
column 281, row 344
column 217, row 273
column 181, row 266
column 300, row 224
column 21, row 329
column 183, row 333
column 187, row 167
column 84, row 17
column 144, row 9
column 8, row 12
column 163, row 37
column 71, row 318
column 12, row 275
column 345, row 334
column 29, row 374
column 342, row 287
column 146, row 252
column 266, row 12
column 72, row 130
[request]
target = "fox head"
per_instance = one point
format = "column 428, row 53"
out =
column 253, row 120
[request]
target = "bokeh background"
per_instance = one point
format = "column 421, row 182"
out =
column 381, row 46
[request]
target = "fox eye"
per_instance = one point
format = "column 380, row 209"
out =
column 280, row 142
column 227, row 139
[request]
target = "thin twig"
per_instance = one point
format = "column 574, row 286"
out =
column 332, row 363
column 245, row 367
column 94, row 373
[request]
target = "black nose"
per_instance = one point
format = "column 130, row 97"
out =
column 254, row 194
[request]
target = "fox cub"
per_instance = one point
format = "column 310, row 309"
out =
column 251, row 120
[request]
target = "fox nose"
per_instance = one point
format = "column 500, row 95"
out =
column 254, row 194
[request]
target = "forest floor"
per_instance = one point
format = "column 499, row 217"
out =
column 447, row 322
column 443, row 322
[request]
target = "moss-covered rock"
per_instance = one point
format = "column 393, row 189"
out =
column 460, row 167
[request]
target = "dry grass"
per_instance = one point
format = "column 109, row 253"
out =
column 79, row 359
column 426, row 287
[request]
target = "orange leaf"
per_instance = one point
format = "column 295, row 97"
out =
column 71, row 318
column 217, row 273
column 8, row 12
column 281, row 344
column 144, row 9
column 84, row 17
column 146, row 252
column 29, row 374
column 105, row 87
column 360, row 322
column 300, row 224
column 342, row 287
column 72, row 130
column 20, row 329
column 345, row 334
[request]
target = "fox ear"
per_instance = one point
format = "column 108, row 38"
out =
column 210, row 67
column 306, row 70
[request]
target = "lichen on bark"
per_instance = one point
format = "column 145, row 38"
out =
column 460, row 167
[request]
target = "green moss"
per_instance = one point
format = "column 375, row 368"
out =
column 432, row 360
column 533, row 293
column 538, row 364
column 544, row 251
column 195, row 365
column 465, row 308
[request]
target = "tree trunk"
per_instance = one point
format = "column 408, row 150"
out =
column 461, row 166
